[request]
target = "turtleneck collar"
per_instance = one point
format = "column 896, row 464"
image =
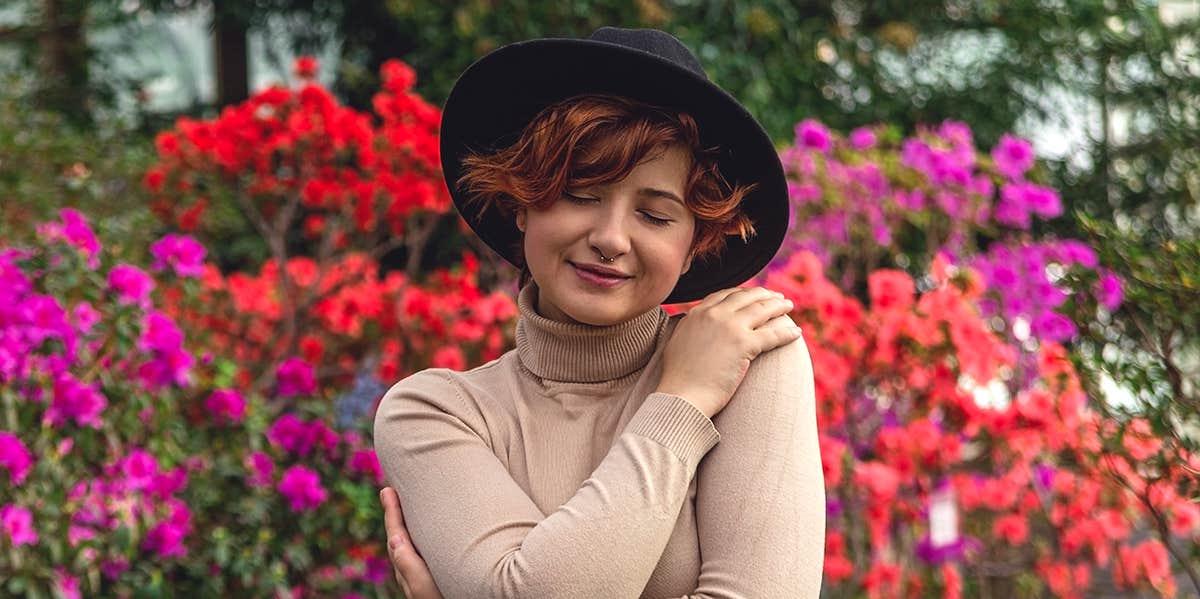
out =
column 583, row 353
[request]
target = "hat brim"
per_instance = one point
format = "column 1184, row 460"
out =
column 498, row 95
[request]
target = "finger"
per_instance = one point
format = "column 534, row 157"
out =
column 393, row 515
column 768, row 338
column 736, row 301
column 759, row 313
column 411, row 571
column 719, row 295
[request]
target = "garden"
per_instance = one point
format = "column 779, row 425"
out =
column 195, row 331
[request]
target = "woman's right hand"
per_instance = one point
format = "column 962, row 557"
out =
column 714, row 343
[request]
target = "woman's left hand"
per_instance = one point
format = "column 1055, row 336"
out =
column 411, row 572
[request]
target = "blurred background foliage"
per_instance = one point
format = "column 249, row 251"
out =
column 1121, row 76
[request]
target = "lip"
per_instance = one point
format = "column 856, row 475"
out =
column 598, row 280
column 601, row 270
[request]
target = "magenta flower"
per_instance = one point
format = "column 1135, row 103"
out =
column 377, row 570
column 68, row 585
column 302, row 488
column 364, row 461
column 84, row 317
column 862, row 138
column 168, row 362
column 166, row 538
column 132, row 285
column 182, row 253
column 138, row 469
column 15, row 457
column 261, row 468
column 17, row 522
column 226, row 406
column 114, row 568
column 1013, row 156
column 812, row 134
column 165, row 484
column 1052, row 326
column 1108, row 291
column 74, row 230
column 1012, row 209
column 298, row 438
column 76, row 401
column 296, row 377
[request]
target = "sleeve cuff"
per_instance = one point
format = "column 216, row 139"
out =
column 676, row 424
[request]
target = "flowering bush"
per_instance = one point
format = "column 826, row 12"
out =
column 960, row 404
column 169, row 426
column 128, row 464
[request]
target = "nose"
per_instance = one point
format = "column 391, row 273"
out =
column 609, row 234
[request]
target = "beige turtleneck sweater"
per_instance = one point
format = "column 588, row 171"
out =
column 556, row 470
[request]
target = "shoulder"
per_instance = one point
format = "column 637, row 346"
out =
column 790, row 360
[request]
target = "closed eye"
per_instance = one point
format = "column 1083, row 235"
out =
column 658, row 222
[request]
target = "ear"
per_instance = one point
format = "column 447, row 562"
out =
column 687, row 264
column 521, row 216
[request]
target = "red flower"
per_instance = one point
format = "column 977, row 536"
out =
column 305, row 67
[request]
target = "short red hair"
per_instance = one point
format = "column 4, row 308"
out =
column 595, row 139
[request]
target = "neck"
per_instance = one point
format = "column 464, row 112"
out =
column 584, row 353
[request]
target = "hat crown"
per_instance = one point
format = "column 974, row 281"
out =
column 652, row 41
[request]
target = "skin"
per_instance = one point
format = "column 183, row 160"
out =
column 617, row 221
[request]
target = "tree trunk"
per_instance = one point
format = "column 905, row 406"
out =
column 63, row 65
column 233, row 73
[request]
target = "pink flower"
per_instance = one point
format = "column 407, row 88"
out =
column 85, row 317
column 168, row 363
column 812, row 134
column 114, row 568
column 132, row 284
column 302, row 488
column 862, row 138
column 296, row 377
column 377, row 570
column 226, row 406
column 1013, row 156
column 261, row 468
column 1108, row 291
column 138, row 469
column 890, row 289
column 74, row 230
column 76, row 401
column 15, row 457
column 77, row 534
column 182, row 253
column 68, row 586
column 166, row 537
column 364, row 461
column 449, row 356
column 17, row 522
column 298, row 438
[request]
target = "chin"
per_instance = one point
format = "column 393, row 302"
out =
column 596, row 318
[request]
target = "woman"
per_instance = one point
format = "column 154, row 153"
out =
column 616, row 451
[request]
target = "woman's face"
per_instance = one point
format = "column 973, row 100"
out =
column 618, row 221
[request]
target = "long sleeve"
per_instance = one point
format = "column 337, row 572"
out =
column 482, row 536
column 760, row 499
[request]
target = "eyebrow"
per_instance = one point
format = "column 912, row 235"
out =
column 659, row 193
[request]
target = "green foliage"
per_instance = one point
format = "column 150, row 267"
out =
column 1152, row 344
column 46, row 164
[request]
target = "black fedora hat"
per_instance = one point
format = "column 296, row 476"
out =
column 498, row 95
